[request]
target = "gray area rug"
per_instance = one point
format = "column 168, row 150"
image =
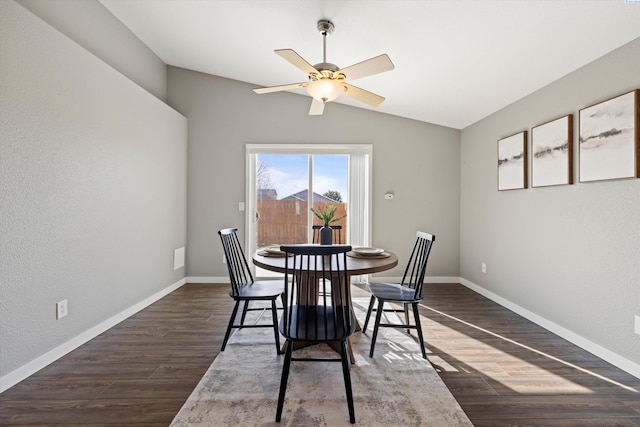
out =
column 395, row 387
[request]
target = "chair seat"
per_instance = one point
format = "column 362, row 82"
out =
column 409, row 294
column 318, row 323
column 260, row 290
column 393, row 292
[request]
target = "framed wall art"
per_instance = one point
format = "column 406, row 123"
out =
column 609, row 139
column 512, row 162
column 552, row 152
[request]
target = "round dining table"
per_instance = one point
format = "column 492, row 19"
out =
column 356, row 265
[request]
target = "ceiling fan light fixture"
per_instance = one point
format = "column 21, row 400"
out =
column 327, row 81
column 325, row 90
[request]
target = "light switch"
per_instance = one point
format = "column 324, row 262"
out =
column 241, row 206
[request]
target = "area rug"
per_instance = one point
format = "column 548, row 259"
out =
column 395, row 387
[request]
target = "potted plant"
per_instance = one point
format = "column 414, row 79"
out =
column 326, row 214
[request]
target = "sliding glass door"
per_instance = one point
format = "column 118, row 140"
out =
column 285, row 181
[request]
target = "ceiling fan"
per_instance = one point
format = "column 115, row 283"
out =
column 327, row 81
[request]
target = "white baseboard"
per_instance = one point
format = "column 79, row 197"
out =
column 210, row 279
column 225, row 279
column 40, row 362
column 428, row 279
column 596, row 349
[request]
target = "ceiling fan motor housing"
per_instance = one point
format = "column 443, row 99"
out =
column 326, row 27
column 326, row 66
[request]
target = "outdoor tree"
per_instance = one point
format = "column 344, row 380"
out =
column 263, row 175
column 333, row 195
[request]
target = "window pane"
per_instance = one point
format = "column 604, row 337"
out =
column 281, row 185
column 330, row 183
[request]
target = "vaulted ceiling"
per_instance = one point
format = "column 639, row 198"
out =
column 456, row 61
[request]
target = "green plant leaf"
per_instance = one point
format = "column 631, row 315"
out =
column 326, row 214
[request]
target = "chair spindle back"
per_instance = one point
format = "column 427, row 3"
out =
column 413, row 276
column 239, row 272
column 316, row 288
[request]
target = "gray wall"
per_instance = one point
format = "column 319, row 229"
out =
column 569, row 253
column 93, row 27
column 418, row 161
column 92, row 181
column 92, row 187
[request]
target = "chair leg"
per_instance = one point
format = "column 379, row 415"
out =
column 284, row 379
column 230, row 326
column 347, row 380
column 366, row 320
column 406, row 316
column 376, row 326
column 416, row 314
column 244, row 312
column 275, row 325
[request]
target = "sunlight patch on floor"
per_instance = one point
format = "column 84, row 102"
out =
column 554, row 383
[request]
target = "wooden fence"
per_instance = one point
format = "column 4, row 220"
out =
column 285, row 221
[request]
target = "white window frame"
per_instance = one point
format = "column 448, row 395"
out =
column 359, row 176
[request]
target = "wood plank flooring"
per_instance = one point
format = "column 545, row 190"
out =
column 502, row 369
column 505, row 370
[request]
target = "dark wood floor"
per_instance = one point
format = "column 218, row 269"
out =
column 502, row 369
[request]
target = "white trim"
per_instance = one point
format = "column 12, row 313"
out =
column 582, row 342
column 30, row 368
column 250, row 213
column 434, row 279
column 208, row 279
column 428, row 279
column 320, row 148
column 363, row 201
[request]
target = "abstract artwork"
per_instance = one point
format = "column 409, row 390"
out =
column 551, row 150
column 512, row 162
column 609, row 139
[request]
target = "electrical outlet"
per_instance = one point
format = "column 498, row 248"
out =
column 637, row 325
column 224, row 259
column 484, row 268
column 61, row 309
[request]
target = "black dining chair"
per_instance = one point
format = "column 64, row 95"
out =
column 337, row 234
column 311, row 313
column 406, row 293
column 245, row 289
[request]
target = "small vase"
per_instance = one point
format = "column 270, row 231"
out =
column 326, row 235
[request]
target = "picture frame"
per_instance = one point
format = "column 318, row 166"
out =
column 552, row 152
column 512, row 162
column 609, row 141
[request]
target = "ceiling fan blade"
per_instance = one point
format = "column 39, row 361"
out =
column 262, row 90
column 375, row 65
column 297, row 60
column 363, row 95
column 317, row 107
